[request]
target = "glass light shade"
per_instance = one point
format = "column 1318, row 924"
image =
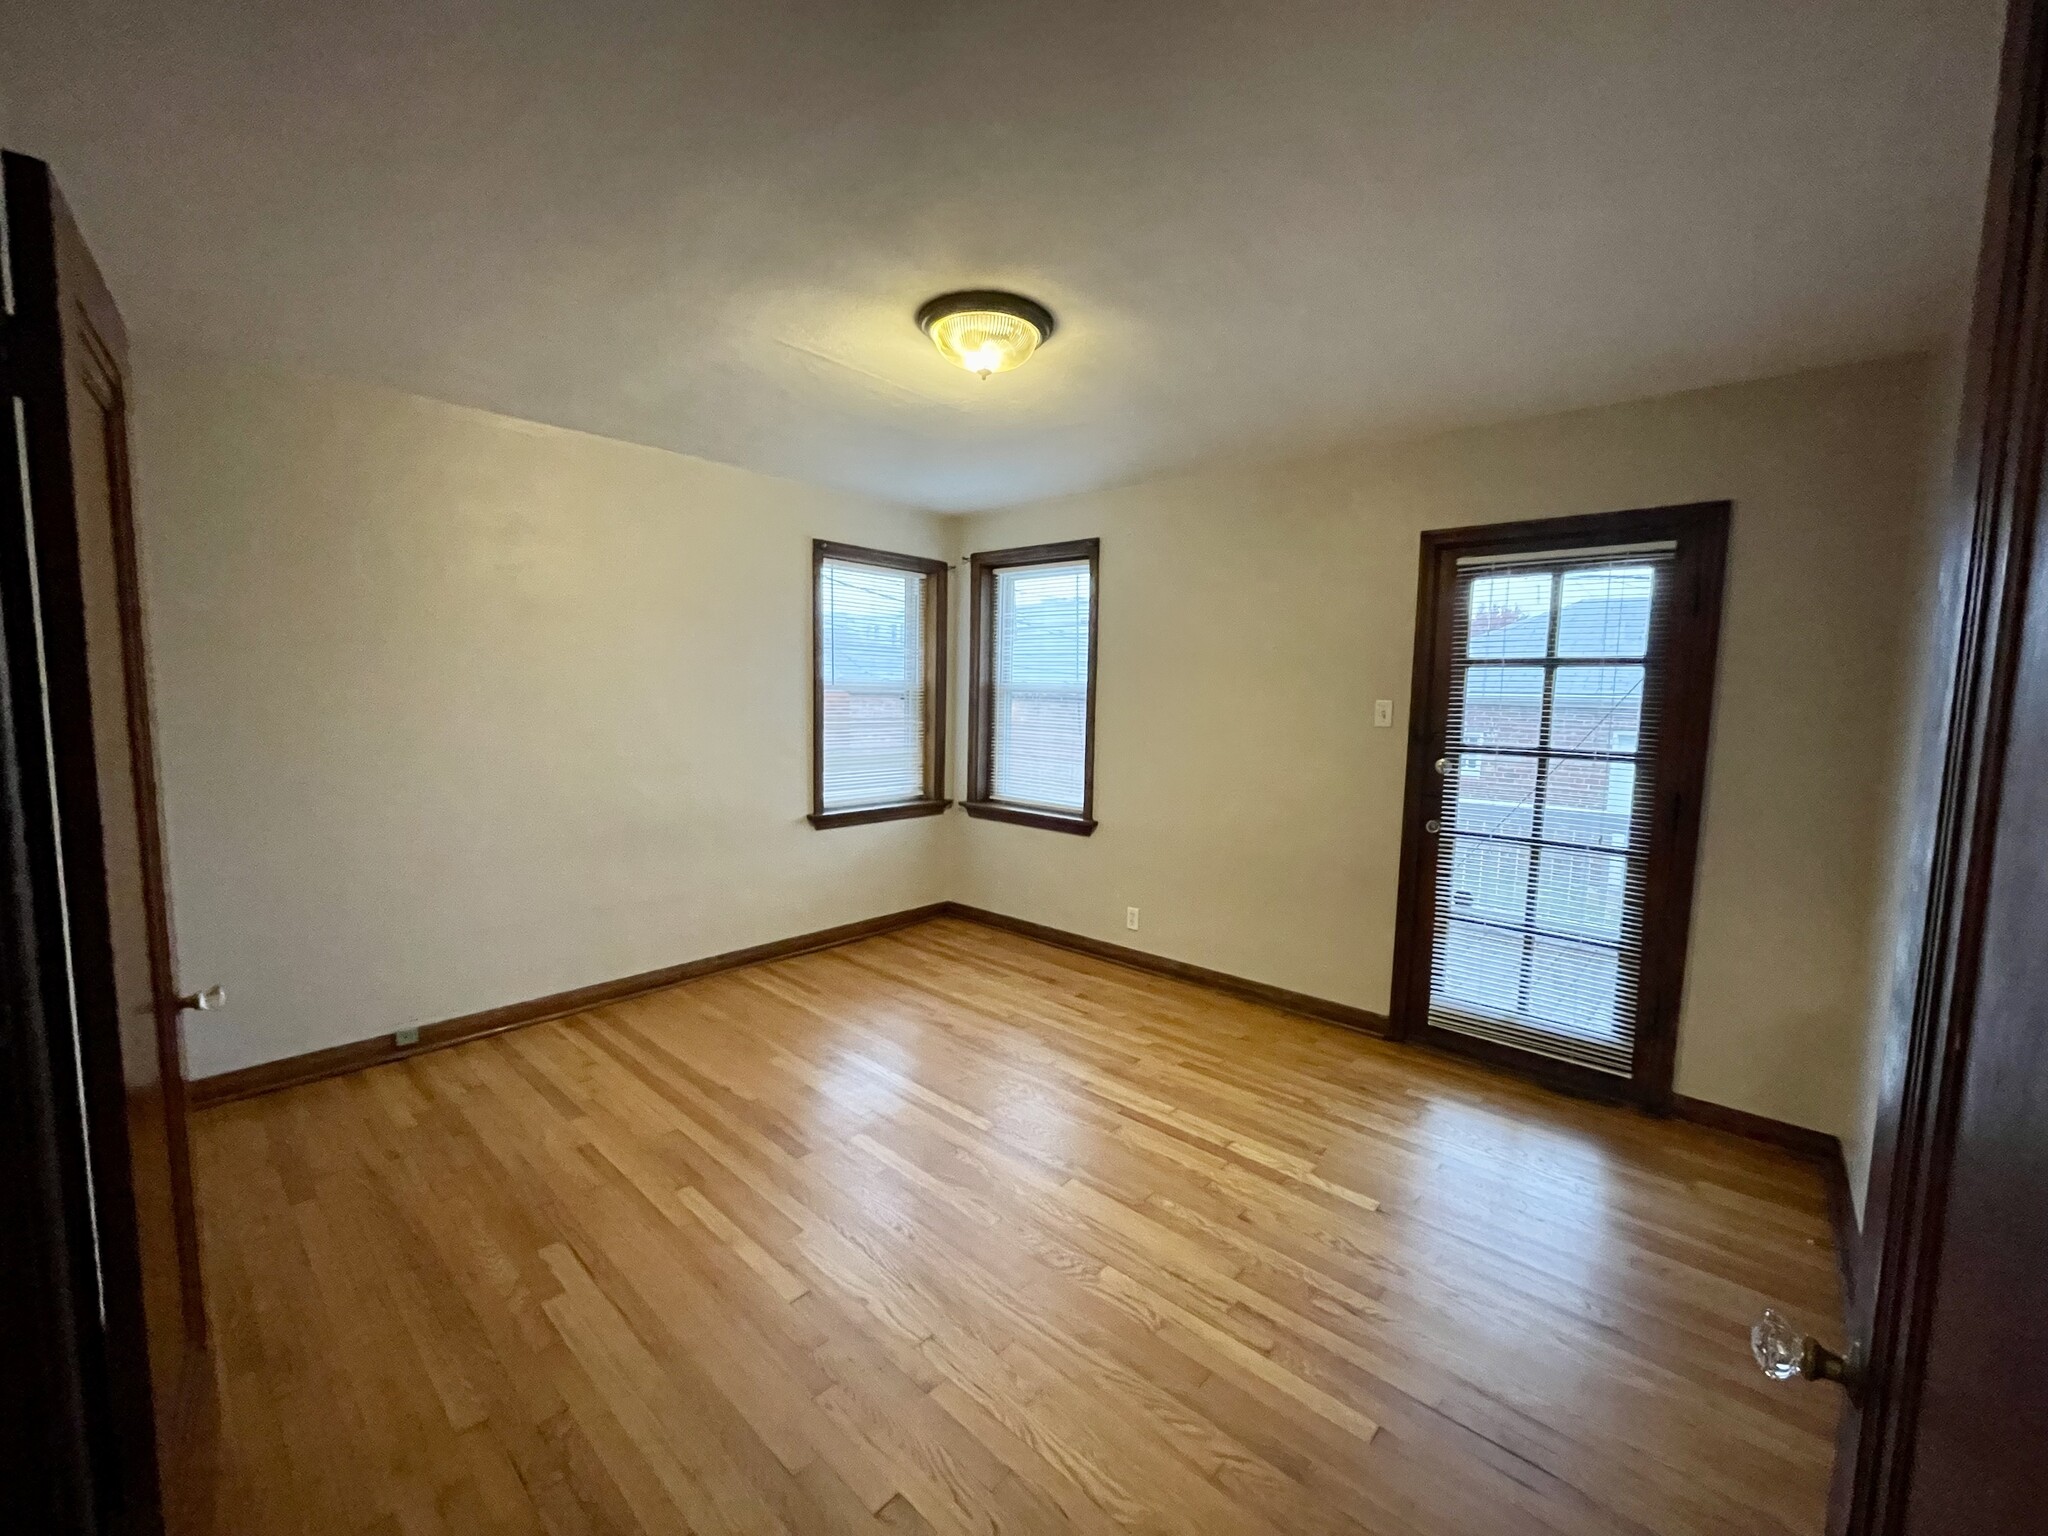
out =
column 984, row 341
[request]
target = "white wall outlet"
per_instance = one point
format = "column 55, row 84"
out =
column 1382, row 711
column 1130, row 917
column 406, row 1036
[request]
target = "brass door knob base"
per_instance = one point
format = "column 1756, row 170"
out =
column 1782, row 1352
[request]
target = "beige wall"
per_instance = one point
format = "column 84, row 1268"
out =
column 1909, row 812
column 1251, row 811
column 456, row 710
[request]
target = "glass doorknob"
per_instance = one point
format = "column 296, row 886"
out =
column 1783, row 1352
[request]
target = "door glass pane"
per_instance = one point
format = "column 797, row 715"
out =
column 1597, row 709
column 1489, row 880
column 1494, row 794
column 1589, row 803
column 1503, row 707
column 1580, row 891
column 1573, row 987
column 1605, row 611
column 1509, row 615
column 1479, row 968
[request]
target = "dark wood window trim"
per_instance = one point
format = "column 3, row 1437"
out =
column 1701, row 533
column 937, row 643
column 981, row 685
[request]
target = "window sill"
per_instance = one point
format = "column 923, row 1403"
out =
column 1026, row 816
column 860, row 816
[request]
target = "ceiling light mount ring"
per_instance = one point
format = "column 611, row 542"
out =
column 985, row 330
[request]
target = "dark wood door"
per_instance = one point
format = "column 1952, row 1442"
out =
column 67, row 370
column 1949, row 1431
column 1978, row 1457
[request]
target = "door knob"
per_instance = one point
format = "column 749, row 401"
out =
column 1783, row 1352
column 204, row 1001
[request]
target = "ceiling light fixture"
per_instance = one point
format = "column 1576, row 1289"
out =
column 985, row 331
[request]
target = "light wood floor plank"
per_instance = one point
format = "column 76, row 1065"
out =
column 950, row 1231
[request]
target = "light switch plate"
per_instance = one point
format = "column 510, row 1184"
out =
column 1382, row 711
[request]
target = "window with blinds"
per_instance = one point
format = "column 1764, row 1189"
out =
column 880, row 647
column 1542, row 818
column 1034, row 682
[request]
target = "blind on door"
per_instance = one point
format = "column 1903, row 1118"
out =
column 872, row 676
column 1557, row 677
column 1039, row 742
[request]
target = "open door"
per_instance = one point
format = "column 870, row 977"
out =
column 1947, row 1364
column 93, row 1008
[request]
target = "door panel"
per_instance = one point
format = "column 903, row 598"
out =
column 1950, row 1324
column 1983, row 1400
column 66, row 371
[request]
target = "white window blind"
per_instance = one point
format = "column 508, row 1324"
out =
column 1557, row 683
column 871, row 666
column 1039, row 743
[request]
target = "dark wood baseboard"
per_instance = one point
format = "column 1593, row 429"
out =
column 1817, row 1147
column 266, row 1077
column 1180, row 970
column 1848, row 1231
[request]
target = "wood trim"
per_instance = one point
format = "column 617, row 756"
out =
column 1700, row 530
column 873, row 813
column 1817, row 1147
column 1362, row 1019
column 938, row 642
column 103, row 374
column 269, row 1076
column 982, row 569
column 1023, row 816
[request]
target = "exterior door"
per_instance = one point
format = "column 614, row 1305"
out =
column 1563, row 674
column 78, row 683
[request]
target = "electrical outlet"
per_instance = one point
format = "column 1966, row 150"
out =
column 1130, row 917
column 1382, row 711
column 406, row 1036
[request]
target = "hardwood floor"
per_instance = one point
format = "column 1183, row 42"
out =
column 951, row 1230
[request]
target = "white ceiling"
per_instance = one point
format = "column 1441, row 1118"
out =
column 1264, row 224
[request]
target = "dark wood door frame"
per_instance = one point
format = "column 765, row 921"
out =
column 1993, row 527
column 1701, row 532
column 63, row 1015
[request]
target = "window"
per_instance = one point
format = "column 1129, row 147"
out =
column 1032, row 747
column 878, row 634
